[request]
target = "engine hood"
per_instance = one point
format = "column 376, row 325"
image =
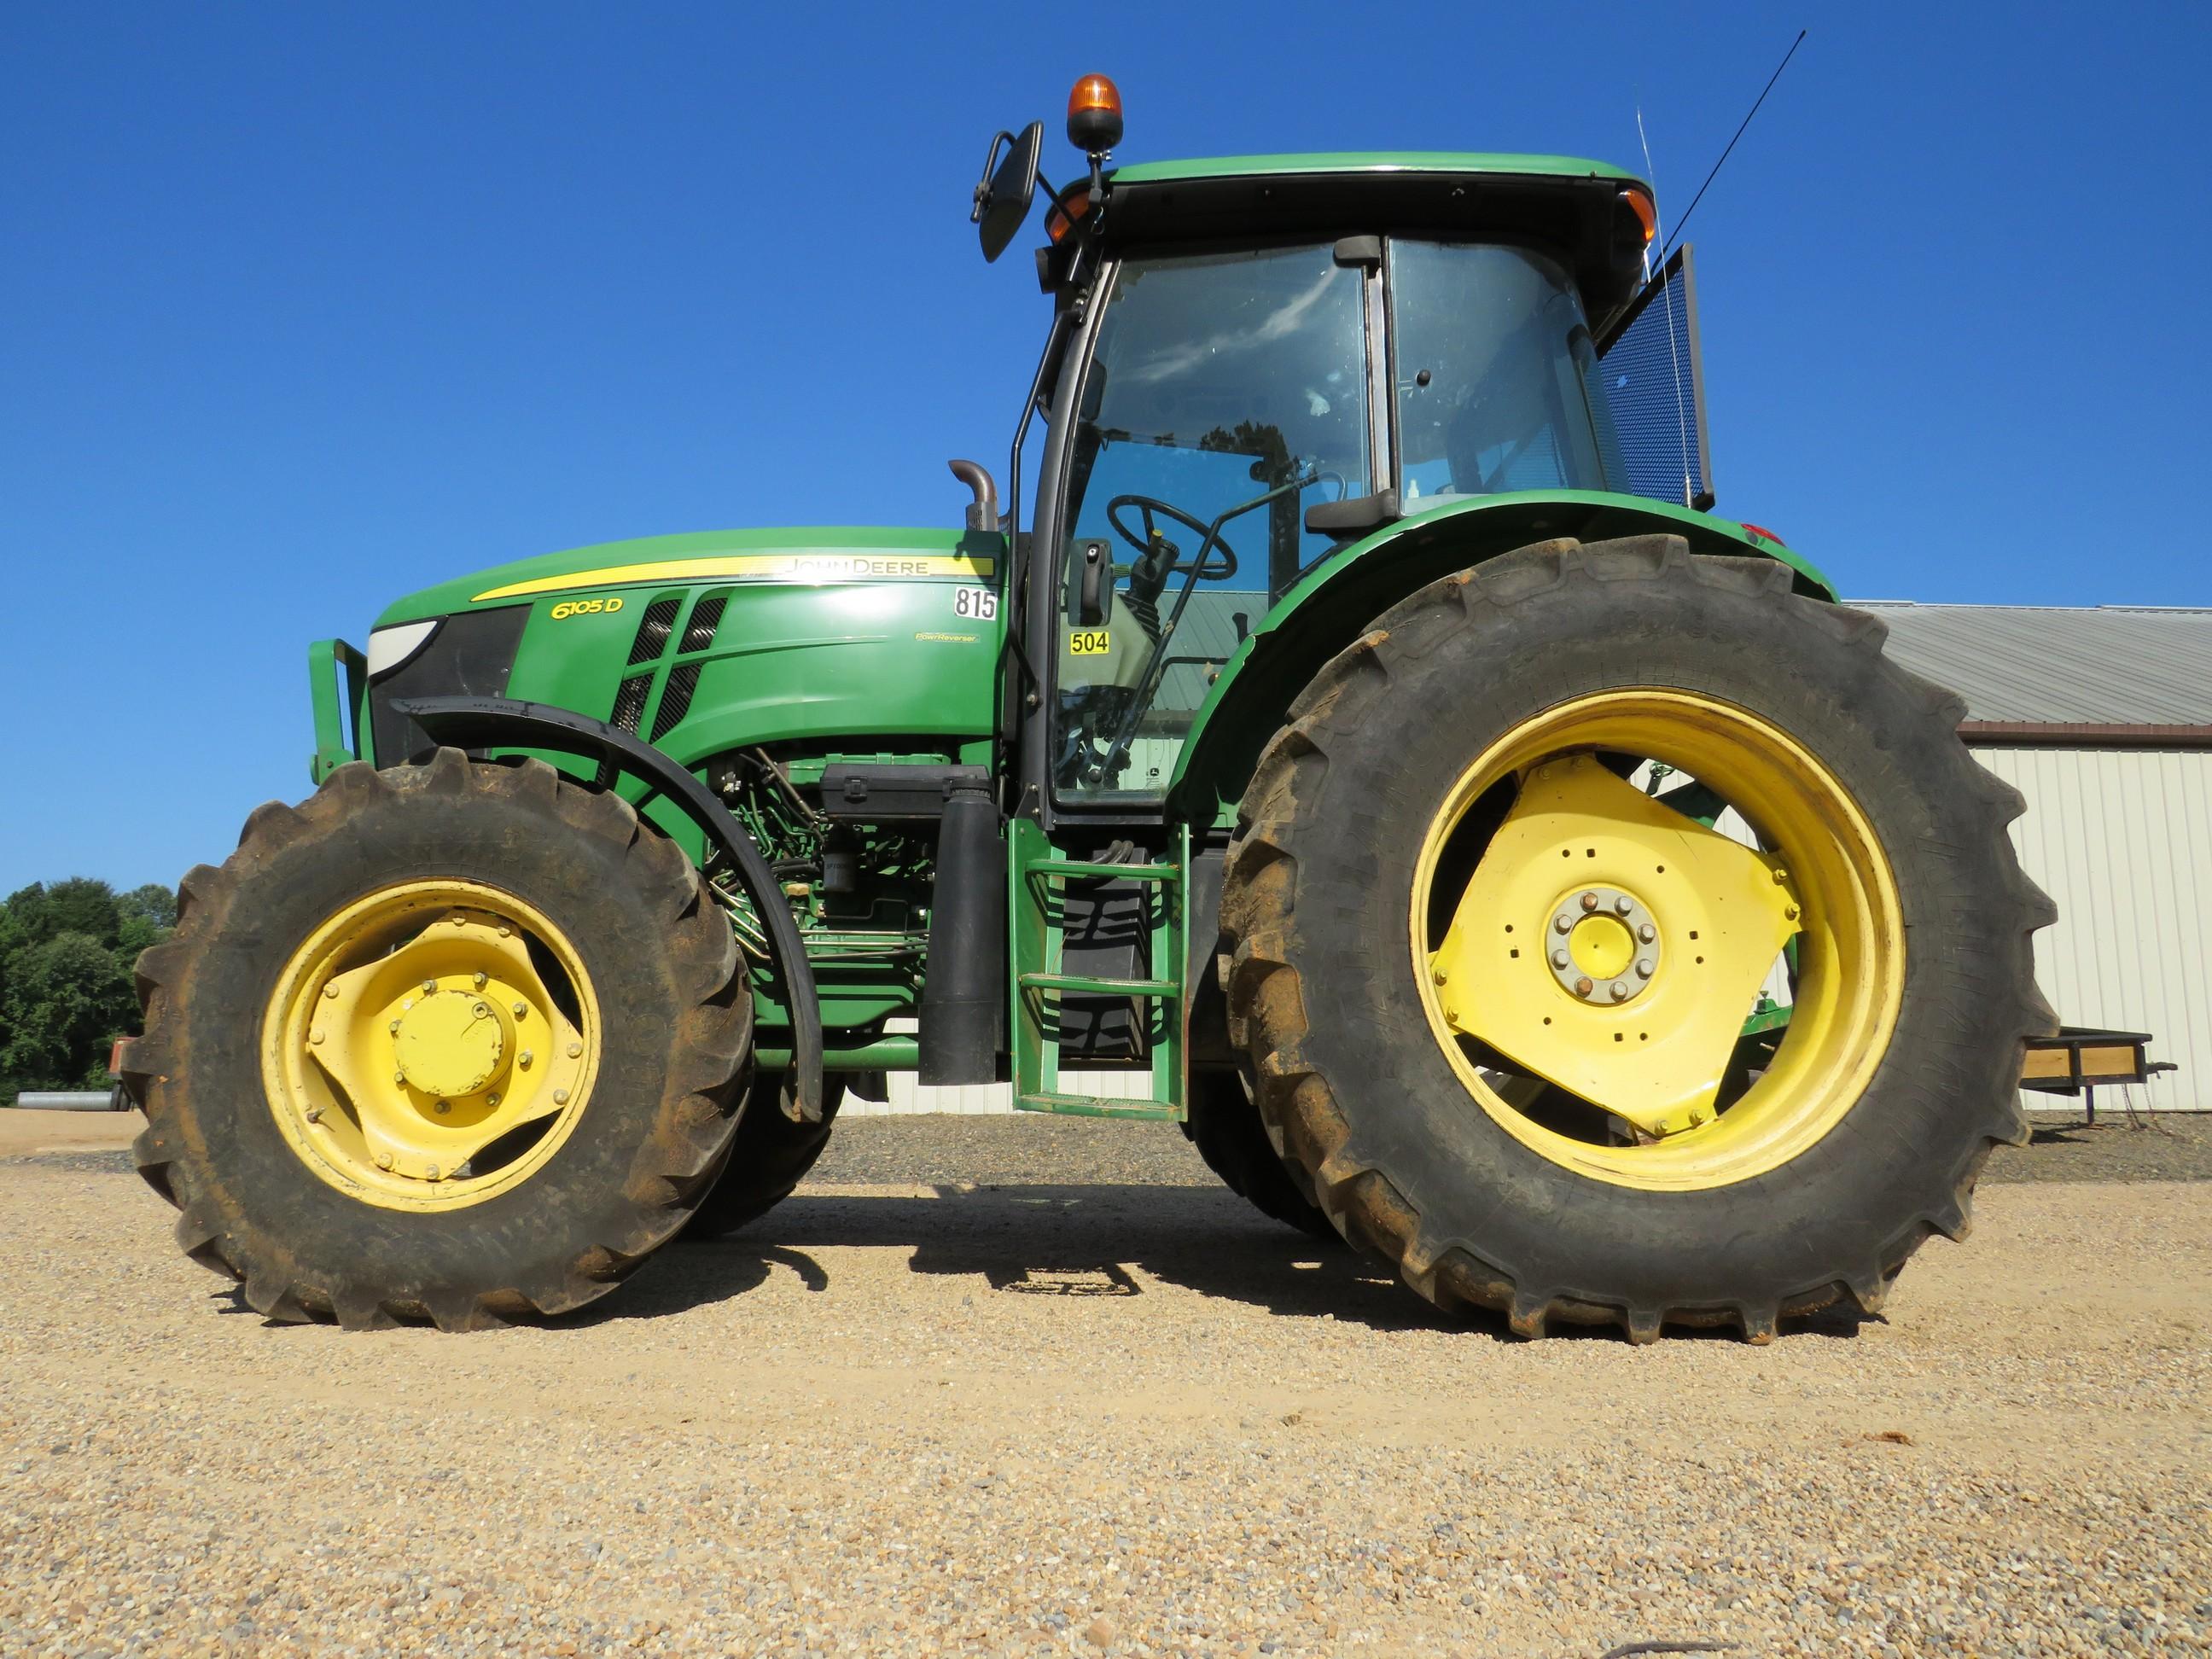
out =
column 809, row 556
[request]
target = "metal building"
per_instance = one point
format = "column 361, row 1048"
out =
column 2102, row 718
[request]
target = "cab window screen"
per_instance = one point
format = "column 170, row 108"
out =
column 1649, row 374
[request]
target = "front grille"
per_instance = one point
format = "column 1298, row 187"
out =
column 652, row 631
column 676, row 700
column 705, row 617
column 469, row 655
column 629, row 701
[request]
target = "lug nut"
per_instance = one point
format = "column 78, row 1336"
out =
column 314, row 1036
column 480, row 1011
column 491, row 1100
column 444, row 1107
column 393, row 1028
column 433, row 1172
column 1790, row 912
column 479, row 980
column 1439, row 975
column 1623, row 905
column 315, row 1115
column 384, row 1160
column 1781, row 875
column 1563, row 922
column 1589, row 900
column 520, row 1009
column 504, row 930
column 1647, row 932
column 575, row 1049
column 1621, row 990
column 330, row 990
column 1559, row 959
column 527, row 1057
column 1583, row 988
column 1644, row 968
column 399, row 1077
column 559, row 1097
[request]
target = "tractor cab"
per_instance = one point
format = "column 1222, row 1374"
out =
column 1257, row 364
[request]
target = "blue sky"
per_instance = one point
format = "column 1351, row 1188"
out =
column 307, row 307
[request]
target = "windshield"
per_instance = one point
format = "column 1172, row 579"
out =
column 1497, row 377
column 1227, row 393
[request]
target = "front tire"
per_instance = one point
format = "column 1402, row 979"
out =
column 1426, row 1107
column 456, row 1043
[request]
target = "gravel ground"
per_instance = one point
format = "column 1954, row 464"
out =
column 1000, row 1151
column 1090, row 1404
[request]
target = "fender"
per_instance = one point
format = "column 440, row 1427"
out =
column 480, row 723
column 1335, row 602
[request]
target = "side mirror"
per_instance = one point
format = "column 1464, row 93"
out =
column 1004, row 192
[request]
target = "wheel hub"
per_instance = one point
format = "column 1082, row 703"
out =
column 1606, row 1015
column 1607, row 944
column 414, row 1031
column 451, row 1044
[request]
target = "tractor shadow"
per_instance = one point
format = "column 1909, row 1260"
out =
column 1088, row 1240
column 1056, row 1241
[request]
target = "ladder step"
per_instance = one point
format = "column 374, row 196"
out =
column 1096, row 1106
column 1133, row 871
column 1091, row 984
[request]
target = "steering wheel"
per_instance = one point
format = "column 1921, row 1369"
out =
column 1146, row 507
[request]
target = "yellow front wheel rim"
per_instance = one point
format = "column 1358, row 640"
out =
column 431, row 1045
column 1601, row 943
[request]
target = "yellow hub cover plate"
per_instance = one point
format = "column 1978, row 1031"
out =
column 1723, row 911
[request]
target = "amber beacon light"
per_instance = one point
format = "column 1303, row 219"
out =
column 1094, row 115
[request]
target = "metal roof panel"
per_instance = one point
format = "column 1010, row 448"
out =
column 2103, row 665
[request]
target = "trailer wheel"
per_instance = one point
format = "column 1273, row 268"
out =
column 1505, row 893
column 455, row 1042
column 769, row 1156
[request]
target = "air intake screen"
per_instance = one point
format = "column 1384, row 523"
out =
column 629, row 701
column 676, row 700
column 705, row 617
column 653, row 632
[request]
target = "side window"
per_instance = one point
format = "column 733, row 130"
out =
column 1492, row 356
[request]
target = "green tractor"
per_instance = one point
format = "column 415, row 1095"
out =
column 1373, row 749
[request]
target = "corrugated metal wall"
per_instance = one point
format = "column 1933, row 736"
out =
column 2123, row 841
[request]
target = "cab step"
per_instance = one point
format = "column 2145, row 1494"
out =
column 1037, row 873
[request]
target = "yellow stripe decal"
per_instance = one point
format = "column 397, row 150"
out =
column 760, row 566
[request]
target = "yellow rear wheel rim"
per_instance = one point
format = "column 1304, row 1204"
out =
column 1603, row 941
column 431, row 1045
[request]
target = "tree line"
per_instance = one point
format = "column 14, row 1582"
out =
column 66, row 991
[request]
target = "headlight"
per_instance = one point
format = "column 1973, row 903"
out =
column 388, row 647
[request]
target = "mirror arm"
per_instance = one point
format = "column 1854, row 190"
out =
column 983, row 185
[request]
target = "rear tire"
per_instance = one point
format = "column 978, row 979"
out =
column 769, row 1156
column 664, row 1008
column 1355, row 1080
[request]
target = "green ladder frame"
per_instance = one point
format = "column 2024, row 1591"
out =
column 1036, row 874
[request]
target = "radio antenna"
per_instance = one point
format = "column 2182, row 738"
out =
column 1761, row 99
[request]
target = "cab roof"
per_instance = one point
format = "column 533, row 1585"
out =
column 1576, row 209
column 1482, row 162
